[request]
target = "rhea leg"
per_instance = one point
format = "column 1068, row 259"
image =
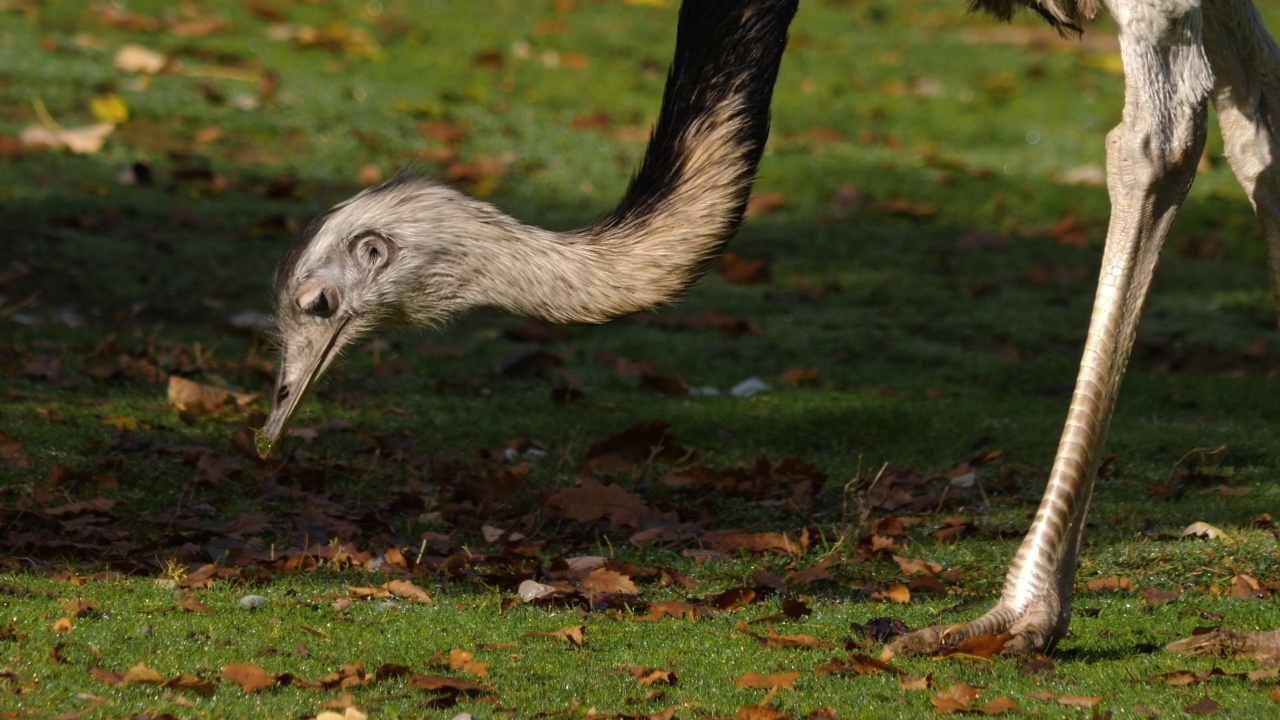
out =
column 1246, row 65
column 1151, row 161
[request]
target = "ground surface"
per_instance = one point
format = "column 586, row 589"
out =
column 929, row 213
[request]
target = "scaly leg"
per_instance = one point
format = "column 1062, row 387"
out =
column 1151, row 161
column 1246, row 65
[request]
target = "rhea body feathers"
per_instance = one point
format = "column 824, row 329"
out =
column 413, row 252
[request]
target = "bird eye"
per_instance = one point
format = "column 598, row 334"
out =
column 318, row 300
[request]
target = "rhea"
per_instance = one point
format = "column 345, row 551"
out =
column 413, row 252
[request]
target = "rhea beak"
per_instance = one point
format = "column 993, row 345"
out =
column 301, row 365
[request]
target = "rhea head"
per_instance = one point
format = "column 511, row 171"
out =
column 372, row 261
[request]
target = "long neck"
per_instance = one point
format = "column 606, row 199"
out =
column 688, row 197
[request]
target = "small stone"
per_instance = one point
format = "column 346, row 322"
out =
column 531, row 590
column 251, row 602
column 750, row 386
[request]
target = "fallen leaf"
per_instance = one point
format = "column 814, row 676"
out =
column 435, row 682
column 858, row 664
column 998, row 705
column 1245, row 587
column 78, row 607
column 1114, row 582
column 1154, row 596
column 608, row 581
column 762, row 202
column 194, row 683
column 12, row 454
column 199, row 399
column 1202, row 530
column 956, row 698
column 1037, row 665
column 648, row 676
column 796, row 376
column 462, row 660
column 139, row 59
column 759, row 712
column 409, row 591
column 753, row 679
column 983, row 646
column 1070, row 700
column 84, row 140
column 142, row 675
column 1205, row 706
column 250, row 677
column 915, row 682
column 591, row 501
column 190, row 603
column 741, row 270
column 896, row 592
column 109, row 108
column 913, row 566
column 573, row 634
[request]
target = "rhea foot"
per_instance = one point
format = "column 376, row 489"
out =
column 1224, row 642
column 1031, row 630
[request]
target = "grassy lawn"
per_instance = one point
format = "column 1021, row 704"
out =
column 930, row 213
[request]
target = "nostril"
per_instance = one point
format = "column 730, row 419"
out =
column 282, row 394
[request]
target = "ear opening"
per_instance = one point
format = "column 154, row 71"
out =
column 373, row 251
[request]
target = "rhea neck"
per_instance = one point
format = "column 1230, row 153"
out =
column 683, row 205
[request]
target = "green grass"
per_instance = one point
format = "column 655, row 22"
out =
column 932, row 349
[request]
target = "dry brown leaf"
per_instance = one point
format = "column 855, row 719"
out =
column 670, row 607
column 84, row 140
column 1083, row 701
column 998, row 705
column 915, row 682
column 757, row 712
column 461, row 660
column 78, row 607
column 1155, row 596
column 591, row 501
column 62, row 625
column 409, row 591
column 797, row 375
column 435, row 682
column 110, row 678
column 12, row 454
column 197, row 398
column 1114, row 582
column 190, row 603
column 753, row 679
column 914, row 566
column 648, row 676
column 1205, row 706
column 142, row 675
column 762, row 202
column 138, row 59
column 574, row 634
column 741, row 270
column 956, row 698
column 608, row 581
column 194, row 683
column 983, row 646
column 1036, row 666
column 896, row 592
column 857, row 663
column 250, row 677
column 1245, row 587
